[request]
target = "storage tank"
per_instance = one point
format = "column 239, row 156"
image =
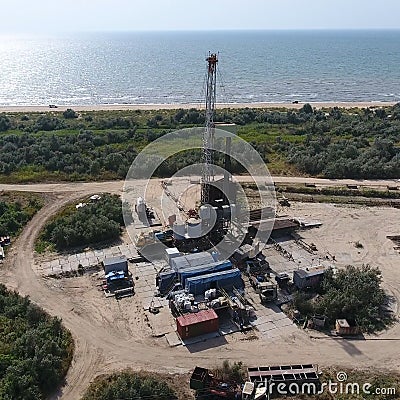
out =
column 179, row 230
column 171, row 220
column 194, row 228
column 205, row 213
column 140, row 206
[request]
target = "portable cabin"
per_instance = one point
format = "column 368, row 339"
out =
column 309, row 277
column 343, row 327
column 115, row 264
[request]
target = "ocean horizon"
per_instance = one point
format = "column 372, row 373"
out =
column 105, row 68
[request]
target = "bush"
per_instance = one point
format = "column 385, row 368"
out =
column 129, row 385
column 15, row 211
column 235, row 372
column 35, row 351
column 69, row 113
column 93, row 223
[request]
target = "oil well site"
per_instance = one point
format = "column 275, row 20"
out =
column 208, row 270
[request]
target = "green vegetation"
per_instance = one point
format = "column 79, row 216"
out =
column 35, row 349
column 129, row 385
column 352, row 293
column 335, row 143
column 95, row 222
column 228, row 372
column 388, row 381
column 16, row 209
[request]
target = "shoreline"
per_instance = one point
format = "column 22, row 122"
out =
column 186, row 106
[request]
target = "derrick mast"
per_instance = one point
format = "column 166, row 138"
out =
column 208, row 134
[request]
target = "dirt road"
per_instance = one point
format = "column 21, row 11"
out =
column 110, row 335
column 116, row 186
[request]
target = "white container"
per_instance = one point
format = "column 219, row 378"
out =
column 172, row 253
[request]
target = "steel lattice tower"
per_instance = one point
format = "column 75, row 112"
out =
column 208, row 135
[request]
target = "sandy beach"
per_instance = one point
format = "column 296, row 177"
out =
column 114, row 107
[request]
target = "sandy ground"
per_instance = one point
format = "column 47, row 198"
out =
column 111, row 335
column 116, row 186
column 103, row 107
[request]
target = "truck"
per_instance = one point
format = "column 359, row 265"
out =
column 267, row 290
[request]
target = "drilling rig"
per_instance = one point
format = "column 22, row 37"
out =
column 208, row 135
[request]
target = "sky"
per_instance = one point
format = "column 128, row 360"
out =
column 40, row 16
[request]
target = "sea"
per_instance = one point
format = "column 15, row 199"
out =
column 170, row 67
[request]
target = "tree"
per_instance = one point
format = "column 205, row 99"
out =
column 69, row 113
column 5, row 123
column 307, row 109
column 352, row 293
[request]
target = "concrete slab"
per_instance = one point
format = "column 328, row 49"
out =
column 278, row 316
column 283, row 322
column 84, row 262
column 55, row 263
column 261, row 320
column 266, row 327
column 173, row 339
column 227, row 329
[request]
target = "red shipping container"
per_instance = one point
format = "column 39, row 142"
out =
column 196, row 324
